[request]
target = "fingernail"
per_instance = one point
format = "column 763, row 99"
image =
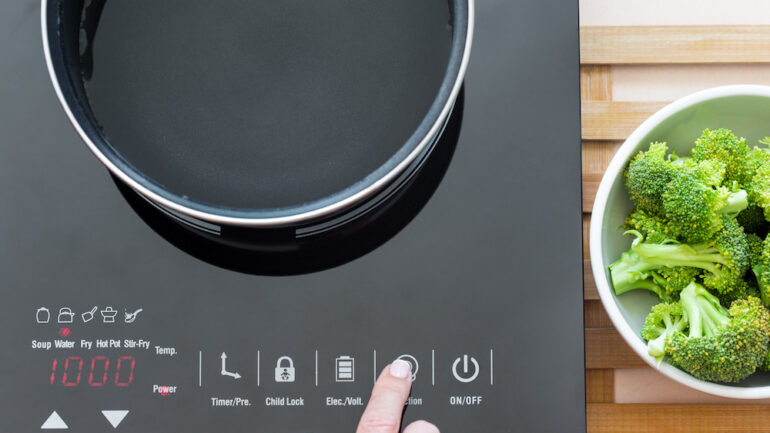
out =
column 400, row 369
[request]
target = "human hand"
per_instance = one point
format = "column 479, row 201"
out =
column 383, row 413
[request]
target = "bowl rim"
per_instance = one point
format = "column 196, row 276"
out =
column 615, row 168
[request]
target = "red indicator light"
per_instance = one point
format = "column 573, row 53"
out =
column 64, row 332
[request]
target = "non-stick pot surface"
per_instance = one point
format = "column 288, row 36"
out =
column 258, row 105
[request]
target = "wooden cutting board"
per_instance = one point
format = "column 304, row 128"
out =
column 606, row 123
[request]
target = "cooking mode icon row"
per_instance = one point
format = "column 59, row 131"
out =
column 66, row 315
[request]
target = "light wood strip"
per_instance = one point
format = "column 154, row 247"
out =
column 600, row 385
column 596, row 83
column 615, row 120
column 674, row 44
column 677, row 418
column 596, row 157
column 605, row 348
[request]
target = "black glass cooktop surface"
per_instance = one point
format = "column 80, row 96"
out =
column 112, row 323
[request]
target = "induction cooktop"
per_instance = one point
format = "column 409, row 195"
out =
column 115, row 319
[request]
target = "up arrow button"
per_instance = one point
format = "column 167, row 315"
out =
column 115, row 417
column 54, row 422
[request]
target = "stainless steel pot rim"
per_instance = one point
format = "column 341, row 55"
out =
column 294, row 215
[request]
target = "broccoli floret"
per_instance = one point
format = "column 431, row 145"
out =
column 760, row 266
column 695, row 208
column 655, row 228
column 663, row 320
column 756, row 177
column 720, row 345
column 759, row 188
column 723, row 146
column 741, row 290
column 732, row 242
column 629, row 272
column 647, row 175
column 755, row 244
column 673, row 280
column 765, row 366
column 725, row 258
column 754, row 159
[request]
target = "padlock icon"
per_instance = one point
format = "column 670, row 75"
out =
column 284, row 370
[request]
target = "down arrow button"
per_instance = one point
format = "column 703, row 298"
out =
column 115, row 417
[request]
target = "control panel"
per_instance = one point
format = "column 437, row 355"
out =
column 114, row 353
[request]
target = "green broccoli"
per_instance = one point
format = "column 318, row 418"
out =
column 755, row 158
column 725, row 258
column 756, row 244
column 673, row 280
column 699, row 224
column 765, row 366
column 757, row 181
column 760, row 265
column 695, row 208
column 630, row 272
column 655, row 228
column 743, row 289
column 647, row 175
column 720, row 345
column 663, row 320
column 723, row 146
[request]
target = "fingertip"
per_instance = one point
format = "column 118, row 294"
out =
column 386, row 405
column 421, row 427
column 400, row 369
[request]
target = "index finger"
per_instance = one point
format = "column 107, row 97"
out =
column 386, row 405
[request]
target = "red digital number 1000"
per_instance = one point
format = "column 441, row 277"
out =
column 98, row 371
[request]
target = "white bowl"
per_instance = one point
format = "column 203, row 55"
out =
column 745, row 109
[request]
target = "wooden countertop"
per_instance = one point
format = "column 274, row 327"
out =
column 636, row 56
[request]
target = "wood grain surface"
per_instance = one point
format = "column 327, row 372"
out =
column 606, row 124
column 606, row 45
column 677, row 418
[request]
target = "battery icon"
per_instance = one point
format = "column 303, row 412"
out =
column 344, row 369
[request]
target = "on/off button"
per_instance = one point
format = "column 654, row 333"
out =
column 465, row 369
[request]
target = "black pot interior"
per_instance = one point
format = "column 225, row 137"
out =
column 256, row 109
column 280, row 252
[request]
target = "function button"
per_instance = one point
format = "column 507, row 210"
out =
column 413, row 363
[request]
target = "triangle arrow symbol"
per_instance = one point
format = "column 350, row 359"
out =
column 54, row 422
column 115, row 417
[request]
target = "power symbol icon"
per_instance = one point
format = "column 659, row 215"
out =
column 467, row 371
